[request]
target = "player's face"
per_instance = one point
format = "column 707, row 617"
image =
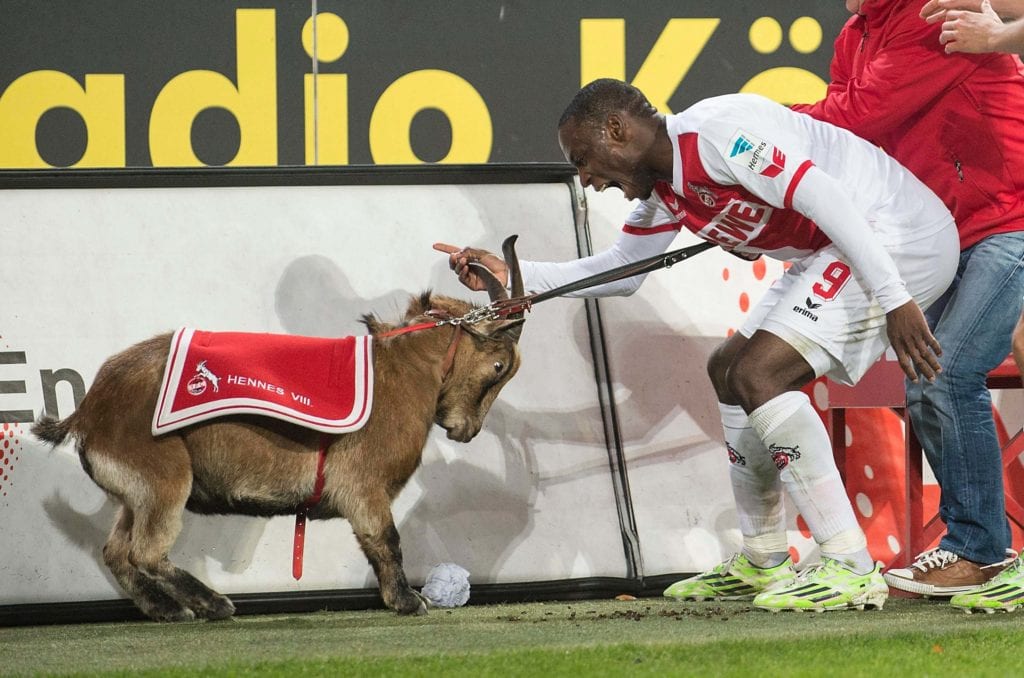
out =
column 605, row 157
column 853, row 6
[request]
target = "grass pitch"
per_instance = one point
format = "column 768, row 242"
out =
column 645, row 637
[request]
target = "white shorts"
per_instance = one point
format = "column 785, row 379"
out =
column 820, row 308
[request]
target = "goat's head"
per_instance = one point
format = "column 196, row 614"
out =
column 484, row 363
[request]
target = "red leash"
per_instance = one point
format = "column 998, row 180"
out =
column 300, row 517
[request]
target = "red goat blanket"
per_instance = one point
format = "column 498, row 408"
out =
column 322, row 384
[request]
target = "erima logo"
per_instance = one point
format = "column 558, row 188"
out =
column 805, row 311
column 742, row 145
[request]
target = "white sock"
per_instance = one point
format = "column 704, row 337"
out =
column 757, row 490
column 797, row 440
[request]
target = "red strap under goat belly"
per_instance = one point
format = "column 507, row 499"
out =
column 299, row 545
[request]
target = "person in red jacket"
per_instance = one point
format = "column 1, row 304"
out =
column 976, row 27
column 957, row 122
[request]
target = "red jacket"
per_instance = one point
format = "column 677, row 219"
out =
column 956, row 121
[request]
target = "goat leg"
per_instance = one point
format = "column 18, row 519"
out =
column 143, row 589
column 383, row 550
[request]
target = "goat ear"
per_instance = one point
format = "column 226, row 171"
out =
column 418, row 305
column 373, row 324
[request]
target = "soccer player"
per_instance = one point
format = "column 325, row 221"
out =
column 870, row 246
column 957, row 122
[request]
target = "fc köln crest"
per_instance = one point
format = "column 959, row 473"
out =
column 703, row 193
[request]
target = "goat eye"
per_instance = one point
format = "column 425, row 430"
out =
column 499, row 366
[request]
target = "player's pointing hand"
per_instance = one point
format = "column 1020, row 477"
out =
column 460, row 258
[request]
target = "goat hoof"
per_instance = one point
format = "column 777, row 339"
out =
column 411, row 603
column 161, row 607
column 419, row 608
column 219, row 607
column 180, row 614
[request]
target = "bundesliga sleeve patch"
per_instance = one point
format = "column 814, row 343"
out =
column 755, row 154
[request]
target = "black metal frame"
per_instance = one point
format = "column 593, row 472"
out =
column 334, row 175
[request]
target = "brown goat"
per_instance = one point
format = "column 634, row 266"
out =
column 264, row 467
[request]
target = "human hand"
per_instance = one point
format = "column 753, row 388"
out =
column 916, row 347
column 967, row 25
column 460, row 258
column 935, row 10
column 973, row 32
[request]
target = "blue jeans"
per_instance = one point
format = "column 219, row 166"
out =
column 952, row 418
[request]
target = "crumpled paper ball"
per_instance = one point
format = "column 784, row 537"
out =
column 447, row 585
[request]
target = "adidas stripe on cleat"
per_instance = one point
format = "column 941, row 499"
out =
column 735, row 579
column 828, row 585
column 1003, row 593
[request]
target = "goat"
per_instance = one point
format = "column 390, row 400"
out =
column 265, row 467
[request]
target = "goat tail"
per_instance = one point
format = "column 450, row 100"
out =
column 51, row 430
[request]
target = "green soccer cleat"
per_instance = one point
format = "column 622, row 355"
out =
column 829, row 585
column 735, row 579
column 1002, row 593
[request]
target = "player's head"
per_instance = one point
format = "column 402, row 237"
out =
column 607, row 132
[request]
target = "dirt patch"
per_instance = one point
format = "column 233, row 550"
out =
column 720, row 613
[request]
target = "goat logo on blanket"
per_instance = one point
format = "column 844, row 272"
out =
column 783, row 455
column 197, row 384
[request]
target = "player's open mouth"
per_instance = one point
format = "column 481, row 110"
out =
column 610, row 184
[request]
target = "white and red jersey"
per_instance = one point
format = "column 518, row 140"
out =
column 757, row 178
column 738, row 162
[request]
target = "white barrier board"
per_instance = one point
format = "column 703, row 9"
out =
column 89, row 272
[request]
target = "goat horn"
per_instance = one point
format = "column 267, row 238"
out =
column 495, row 290
column 508, row 250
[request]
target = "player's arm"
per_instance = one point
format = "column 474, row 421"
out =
column 822, row 199
column 631, row 246
column 648, row 232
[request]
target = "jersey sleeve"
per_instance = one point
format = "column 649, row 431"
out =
column 822, row 199
column 650, row 217
column 736, row 154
